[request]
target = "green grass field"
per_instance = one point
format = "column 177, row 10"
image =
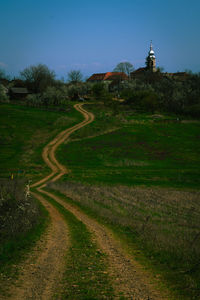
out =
column 140, row 175
column 24, row 132
column 137, row 173
column 138, row 153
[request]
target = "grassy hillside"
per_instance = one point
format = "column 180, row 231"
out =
column 139, row 174
column 138, row 151
column 23, row 133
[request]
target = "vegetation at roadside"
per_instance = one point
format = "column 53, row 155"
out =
column 24, row 132
column 22, row 221
column 159, row 224
column 86, row 275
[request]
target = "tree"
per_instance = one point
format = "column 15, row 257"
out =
column 147, row 61
column 3, row 74
column 160, row 69
column 125, row 67
column 3, row 94
column 38, row 78
column 75, row 76
column 98, row 90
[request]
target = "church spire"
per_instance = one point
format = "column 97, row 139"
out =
column 151, row 47
column 151, row 59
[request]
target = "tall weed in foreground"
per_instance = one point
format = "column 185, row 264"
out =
column 18, row 212
column 22, row 221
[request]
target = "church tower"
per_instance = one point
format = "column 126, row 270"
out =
column 151, row 60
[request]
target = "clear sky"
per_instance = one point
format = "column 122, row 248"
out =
column 95, row 35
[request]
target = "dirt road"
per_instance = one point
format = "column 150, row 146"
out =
column 48, row 153
column 127, row 276
column 41, row 273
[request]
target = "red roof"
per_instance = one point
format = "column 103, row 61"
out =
column 138, row 71
column 97, row 77
column 108, row 76
column 115, row 75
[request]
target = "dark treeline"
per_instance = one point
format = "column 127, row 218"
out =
column 151, row 92
column 157, row 92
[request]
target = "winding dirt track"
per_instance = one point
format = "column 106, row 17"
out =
column 41, row 274
column 48, row 153
column 126, row 274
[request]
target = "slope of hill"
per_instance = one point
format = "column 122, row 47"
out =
column 23, row 133
column 137, row 175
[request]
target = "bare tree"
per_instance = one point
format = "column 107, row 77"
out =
column 75, row 76
column 125, row 67
column 3, row 74
column 38, row 77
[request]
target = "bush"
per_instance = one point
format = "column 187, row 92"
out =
column 193, row 111
column 98, row 90
column 143, row 100
column 73, row 92
column 3, row 96
column 18, row 212
column 34, row 100
column 54, row 96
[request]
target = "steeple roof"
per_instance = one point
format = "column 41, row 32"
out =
column 151, row 52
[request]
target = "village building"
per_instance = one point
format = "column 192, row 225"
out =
column 151, row 69
column 18, row 93
column 181, row 76
column 108, row 77
column 150, row 65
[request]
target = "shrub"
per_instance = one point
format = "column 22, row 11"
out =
column 34, row 100
column 18, row 212
column 143, row 100
column 193, row 111
column 54, row 96
column 3, row 96
column 73, row 92
column 98, row 90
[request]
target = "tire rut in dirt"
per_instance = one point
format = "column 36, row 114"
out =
column 41, row 278
column 127, row 276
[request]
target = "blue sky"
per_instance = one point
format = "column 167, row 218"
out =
column 95, row 35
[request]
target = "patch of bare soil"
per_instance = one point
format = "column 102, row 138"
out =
column 128, row 277
column 41, row 274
